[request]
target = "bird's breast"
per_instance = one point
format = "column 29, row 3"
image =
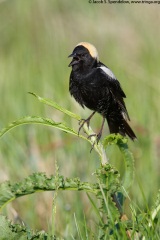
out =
column 89, row 91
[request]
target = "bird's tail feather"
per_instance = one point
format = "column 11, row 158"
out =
column 120, row 125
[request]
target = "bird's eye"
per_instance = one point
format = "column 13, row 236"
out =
column 83, row 54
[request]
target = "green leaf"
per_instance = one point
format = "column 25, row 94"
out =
column 121, row 142
column 40, row 182
column 38, row 120
column 6, row 194
column 9, row 231
column 56, row 106
column 114, row 139
column 49, row 122
column 96, row 209
column 108, row 177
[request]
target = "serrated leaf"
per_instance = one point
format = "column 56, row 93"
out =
column 121, row 142
column 40, row 182
column 108, row 206
column 114, row 139
column 9, row 231
column 6, row 194
column 108, row 177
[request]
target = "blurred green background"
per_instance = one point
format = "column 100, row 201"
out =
column 36, row 36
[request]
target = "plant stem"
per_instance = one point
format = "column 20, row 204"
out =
column 98, row 147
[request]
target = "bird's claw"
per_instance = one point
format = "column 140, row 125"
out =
column 82, row 122
column 98, row 137
column 92, row 135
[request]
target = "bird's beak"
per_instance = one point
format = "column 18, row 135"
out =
column 75, row 59
column 72, row 55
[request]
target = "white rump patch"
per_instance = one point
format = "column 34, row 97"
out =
column 91, row 48
column 108, row 72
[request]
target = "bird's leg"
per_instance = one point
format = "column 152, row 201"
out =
column 83, row 121
column 100, row 132
column 98, row 136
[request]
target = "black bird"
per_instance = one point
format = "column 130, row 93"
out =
column 93, row 85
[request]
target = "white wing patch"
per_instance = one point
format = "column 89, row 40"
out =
column 108, row 72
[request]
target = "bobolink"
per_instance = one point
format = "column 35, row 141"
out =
column 93, row 85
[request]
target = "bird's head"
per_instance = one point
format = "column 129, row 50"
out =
column 84, row 55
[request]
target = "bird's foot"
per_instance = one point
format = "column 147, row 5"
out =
column 98, row 137
column 89, row 137
column 83, row 121
column 92, row 135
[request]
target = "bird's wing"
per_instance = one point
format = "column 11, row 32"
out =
column 115, row 88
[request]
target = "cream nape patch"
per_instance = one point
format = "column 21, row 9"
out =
column 91, row 48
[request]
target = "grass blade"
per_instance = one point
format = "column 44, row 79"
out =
column 95, row 208
column 77, row 227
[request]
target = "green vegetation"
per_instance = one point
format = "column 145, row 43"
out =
column 110, row 192
column 36, row 38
